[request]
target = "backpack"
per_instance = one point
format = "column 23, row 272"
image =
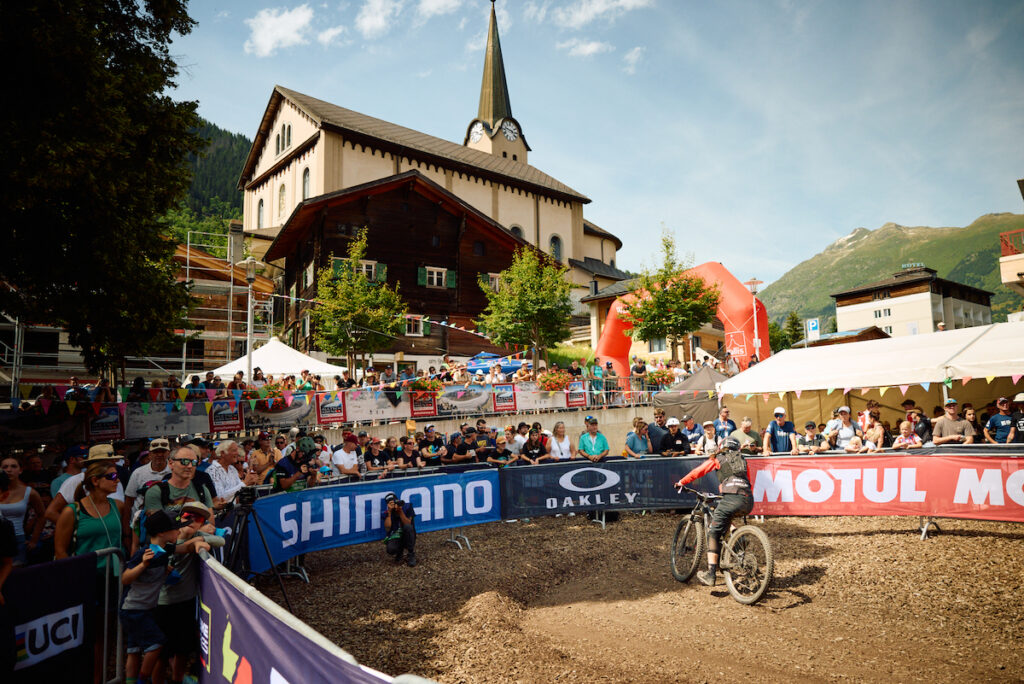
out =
column 200, row 481
column 731, row 464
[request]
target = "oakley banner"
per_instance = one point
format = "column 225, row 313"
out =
column 338, row 515
column 579, row 485
column 943, row 485
column 50, row 608
column 243, row 640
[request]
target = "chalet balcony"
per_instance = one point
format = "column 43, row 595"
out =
column 1011, row 260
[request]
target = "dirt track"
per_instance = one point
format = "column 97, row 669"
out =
column 558, row 599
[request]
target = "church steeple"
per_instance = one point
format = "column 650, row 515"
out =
column 494, row 100
column 495, row 130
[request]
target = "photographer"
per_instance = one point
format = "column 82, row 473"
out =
column 298, row 469
column 399, row 529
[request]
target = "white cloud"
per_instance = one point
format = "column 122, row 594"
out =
column 425, row 73
column 276, row 28
column 632, row 58
column 536, row 11
column 376, row 17
column 328, row 36
column 582, row 12
column 432, row 8
column 584, row 48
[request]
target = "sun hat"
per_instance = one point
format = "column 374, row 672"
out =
column 101, row 452
column 672, row 421
column 159, row 444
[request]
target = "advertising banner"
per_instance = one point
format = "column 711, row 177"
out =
column 579, row 485
column 461, row 400
column 504, row 398
column 301, row 413
column 327, row 517
column 147, row 420
column 243, row 639
column 577, row 395
column 944, row 485
column 330, row 408
column 106, row 425
column 423, row 405
column 376, row 404
column 226, row 416
column 51, row 609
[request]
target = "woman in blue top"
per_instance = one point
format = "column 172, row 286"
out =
column 638, row 442
column 597, row 381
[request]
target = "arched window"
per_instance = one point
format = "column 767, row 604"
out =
column 556, row 248
column 259, row 215
column 479, row 248
column 277, row 144
column 517, row 231
column 289, row 137
column 305, row 183
column 280, row 200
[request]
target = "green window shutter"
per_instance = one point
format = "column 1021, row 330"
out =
column 450, row 279
column 426, row 327
column 382, row 273
column 421, row 276
column 337, row 266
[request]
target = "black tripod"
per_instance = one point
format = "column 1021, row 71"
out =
column 240, row 539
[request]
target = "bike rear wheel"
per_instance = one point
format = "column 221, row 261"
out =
column 751, row 564
column 687, row 548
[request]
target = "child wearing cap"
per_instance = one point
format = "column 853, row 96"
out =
column 145, row 574
column 501, row 456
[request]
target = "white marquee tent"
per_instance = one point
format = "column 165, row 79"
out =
column 278, row 359
column 831, row 375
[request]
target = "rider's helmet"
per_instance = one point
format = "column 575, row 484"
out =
column 730, row 444
column 307, row 446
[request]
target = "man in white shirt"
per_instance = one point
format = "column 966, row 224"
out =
column 158, row 466
column 222, row 471
column 346, row 459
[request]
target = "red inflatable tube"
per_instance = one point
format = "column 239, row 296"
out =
column 735, row 309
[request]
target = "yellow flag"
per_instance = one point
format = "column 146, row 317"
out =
column 72, row 405
column 989, row 378
column 26, row 390
column 782, row 395
column 182, row 393
column 882, row 391
column 209, row 405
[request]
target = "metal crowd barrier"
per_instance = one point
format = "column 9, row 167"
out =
column 119, row 645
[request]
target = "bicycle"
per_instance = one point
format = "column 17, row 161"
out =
column 746, row 558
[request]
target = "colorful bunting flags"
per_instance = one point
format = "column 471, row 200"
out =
column 188, row 406
column 798, row 392
column 903, row 389
column 145, row 407
column 989, row 379
column 926, row 385
column 882, row 391
column 1016, row 378
column 210, row 394
column 182, row 394
column 830, row 391
column 46, row 405
column 964, row 380
column 72, row 405
column 208, row 405
column 252, row 404
column 26, row 390
column 948, row 382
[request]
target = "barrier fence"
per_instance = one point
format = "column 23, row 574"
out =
column 985, row 484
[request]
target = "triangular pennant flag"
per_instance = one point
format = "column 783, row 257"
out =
column 262, row 391
column 122, row 392
column 208, row 405
column 964, row 380
column 846, row 390
column 695, row 392
column 62, row 390
column 252, row 404
column 45, row 403
column 989, row 379
column 1016, row 378
column 182, row 393
column 765, row 397
column 376, row 395
column 903, row 389
column 72, row 405
column 711, row 393
column 288, row 398
column 210, row 394
column 270, row 403
column 309, row 397
column 177, row 404
column 232, row 405
column 188, row 407
column 121, row 408
column 830, row 391
column 399, row 394
column 169, row 406
column 948, row 382
column 25, row 390
column 238, row 394
column 864, row 390
column 748, row 397
column 459, row 394
column 782, row 395
column 154, row 393
column 926, row 385
column 96, row 406
column 145, row 407
column 882, row 391
column 798, row 393
column 681, row 392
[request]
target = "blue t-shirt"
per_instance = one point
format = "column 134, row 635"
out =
column 636, row 443
column 692, row 434
column 724, row 428
column 999, row 427
column 780, row 436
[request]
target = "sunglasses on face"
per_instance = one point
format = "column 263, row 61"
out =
column 111, row 476
column 192, row 517
column 188, row 461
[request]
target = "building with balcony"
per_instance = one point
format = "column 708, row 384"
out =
column 1011, row 255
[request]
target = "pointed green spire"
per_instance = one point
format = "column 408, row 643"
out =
column 494, row 101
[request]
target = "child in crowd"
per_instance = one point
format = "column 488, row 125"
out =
column 907, row 439
column 856, row 446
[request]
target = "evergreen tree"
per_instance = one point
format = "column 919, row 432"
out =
column 794, row 327
column 532, row 305
column 777, row 337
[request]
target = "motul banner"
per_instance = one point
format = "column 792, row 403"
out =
column 975, row 487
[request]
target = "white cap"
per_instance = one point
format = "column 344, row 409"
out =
column 779, row 409
column 672, row 421
column 844, row 408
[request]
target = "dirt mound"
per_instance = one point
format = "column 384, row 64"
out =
column 559, row 599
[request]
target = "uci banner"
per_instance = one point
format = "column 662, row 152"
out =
column 944, row 485
column 50, row 608
column 245, row 638
column 338, row 515
column 580, row 485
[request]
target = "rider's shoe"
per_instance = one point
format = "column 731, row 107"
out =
column 707, row 578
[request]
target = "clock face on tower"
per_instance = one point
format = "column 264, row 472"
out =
column 476, row 132
column 509, row 130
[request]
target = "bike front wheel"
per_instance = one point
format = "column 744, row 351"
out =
column 751, row 564
column 687, row 548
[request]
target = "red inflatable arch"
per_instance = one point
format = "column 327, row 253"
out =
column 735, row 310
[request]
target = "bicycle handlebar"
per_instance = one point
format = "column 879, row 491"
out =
column 703, row 495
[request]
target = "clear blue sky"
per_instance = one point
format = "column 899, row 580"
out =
column 758, row 131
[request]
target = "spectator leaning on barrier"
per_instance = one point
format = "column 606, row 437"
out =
column 951, row 428
column 534, row 451
column 811, row 442
column 1000, row 427
column 657, row 429
column 458, row 451
column 846, row 431
column 346, row 459
column 907, row 439
column 400, row 529
column 638, row 441
column 689, row 427
column 1018, row 418
column 724, row 426
column 747, row 437
column 263, row 457
column 561, row 445
column 780, row 436
column 181, row 487
column 593, row 445
column 707, row 443
column 432, row 447
column 501, row 456
column 675, row 442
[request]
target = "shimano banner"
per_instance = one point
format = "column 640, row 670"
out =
column 50, row 608
column 338, row 515
column 245, row 637
column 580, row 485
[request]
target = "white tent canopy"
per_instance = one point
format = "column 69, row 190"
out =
column 995, row 350
column 278, row 359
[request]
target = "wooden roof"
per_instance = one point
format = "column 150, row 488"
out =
column 214, row 268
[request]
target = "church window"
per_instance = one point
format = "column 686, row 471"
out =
column 277, row 144
column 305, row 183
column 517, row 231
column 289, row 137
column 280, row 200
column 504, row 154
column 556, row 248
column 515, row 157
column 259, row 214
column 479, row 248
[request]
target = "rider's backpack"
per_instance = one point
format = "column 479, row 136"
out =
column 732, row 466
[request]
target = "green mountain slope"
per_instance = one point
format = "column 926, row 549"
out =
column 215, row 172
column 968, row 255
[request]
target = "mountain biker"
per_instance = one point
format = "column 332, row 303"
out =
column 734, row 485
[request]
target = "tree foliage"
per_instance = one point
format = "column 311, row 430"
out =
column 215, row 170
column 355, row 315
column 777, row 337
column 669, row 302
column 209, row 225
column 794, row 327
column 96, row 151
column 532, row 305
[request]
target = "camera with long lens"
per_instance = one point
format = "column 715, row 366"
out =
column 246, row 496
